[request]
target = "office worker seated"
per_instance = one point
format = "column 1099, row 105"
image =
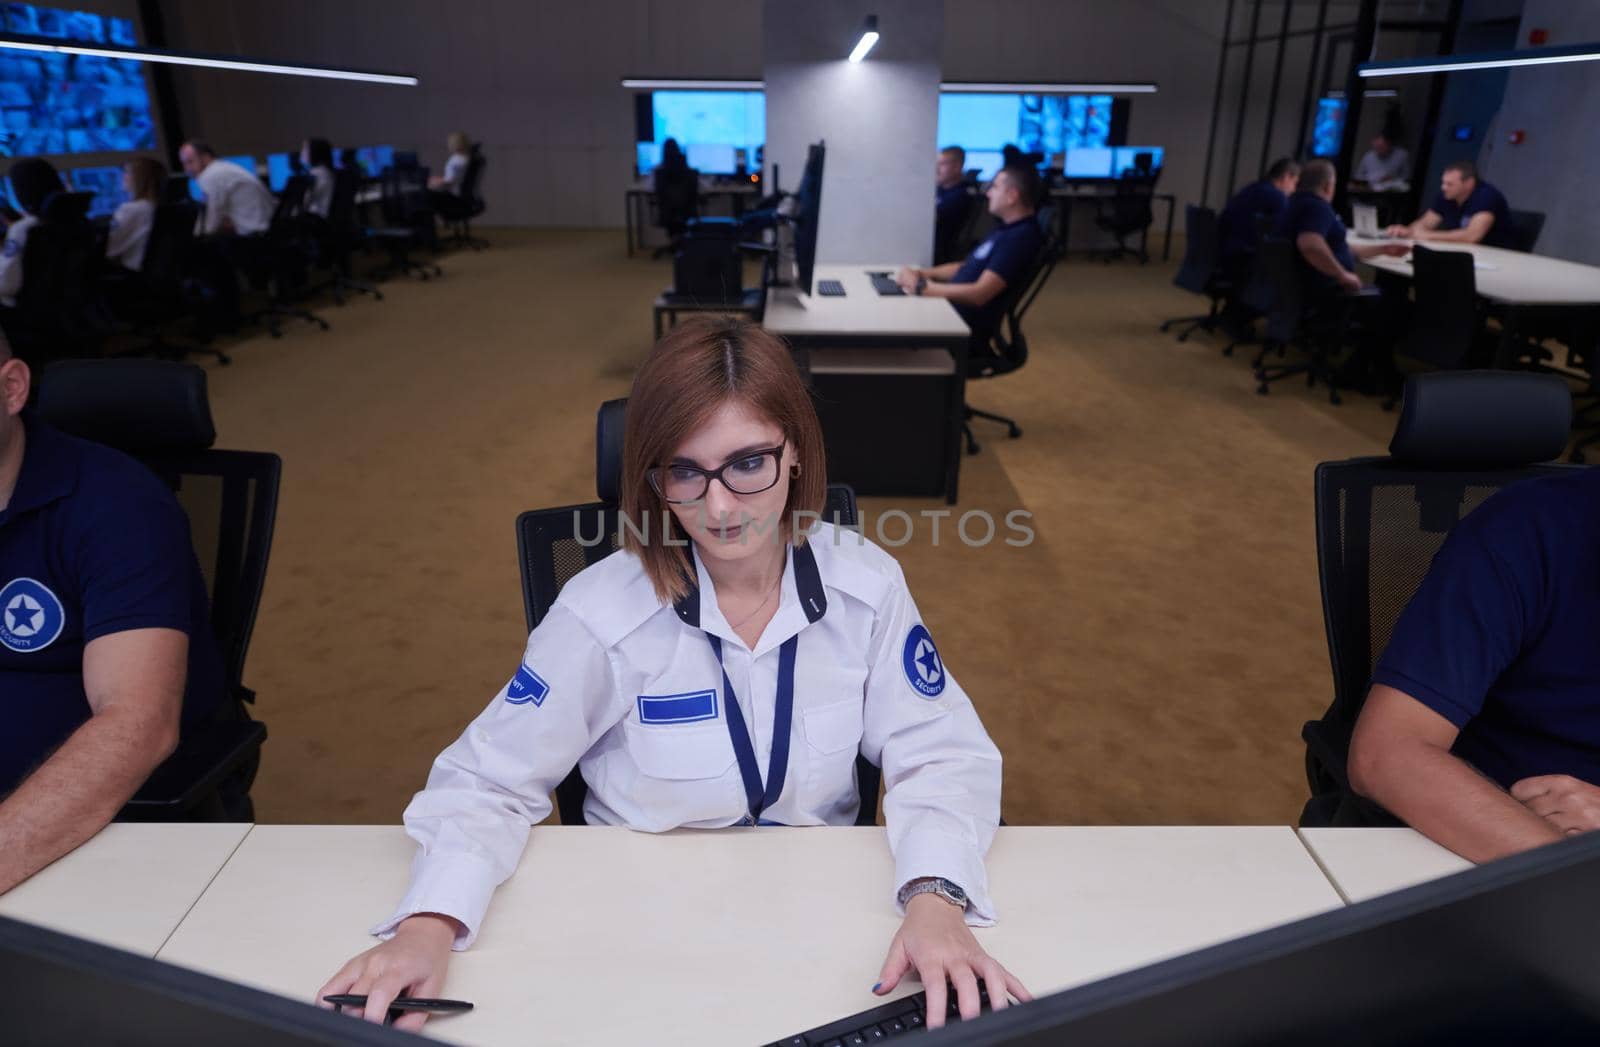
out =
column 1482, row 727
column 129, row 237
column 459, row 147
column 952, row 203
column 33, row 181
column 100, row 597
column 670, row 669
column 236, row 201
column 1466, row 211
column 1309, row 222
column 316, row 157
column 1385, row 166
column 1004, row 259
column 1254, row 208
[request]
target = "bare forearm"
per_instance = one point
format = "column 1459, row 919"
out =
column 1320, row 257
column 961, row 294
column 77, row 791
column 941, row 272
column 1452, row 236
column 1445, row 799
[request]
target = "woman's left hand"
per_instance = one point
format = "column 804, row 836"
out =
column 936, row 941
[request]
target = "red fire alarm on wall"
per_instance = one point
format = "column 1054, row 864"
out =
column 1517, row 137
column 1537, row 37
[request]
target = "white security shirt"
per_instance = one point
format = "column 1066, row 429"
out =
column 630, row 691
column 319, row 195
column 455, row 171
column 130, row 233
column 233, row 193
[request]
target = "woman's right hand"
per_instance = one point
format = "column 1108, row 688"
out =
column 412, row 963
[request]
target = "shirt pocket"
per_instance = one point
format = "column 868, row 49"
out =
column 833, row 738
column 680, row 754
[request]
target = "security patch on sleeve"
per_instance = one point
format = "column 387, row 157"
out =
column 924, row 669
column 526, row 688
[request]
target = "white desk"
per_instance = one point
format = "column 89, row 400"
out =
column 128, row 887
column 862, row 320
column 1364, row 863
column 736, row 937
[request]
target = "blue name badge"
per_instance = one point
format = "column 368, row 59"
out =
column 678, row 708
column 526, row 687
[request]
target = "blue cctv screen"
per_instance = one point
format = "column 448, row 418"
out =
column 1047, row 124
column 279, row 167
column 375, row 159
column 1328, row 128
column 721, row 128
column 53, row 103
column 1125, row 157
column 106, row 185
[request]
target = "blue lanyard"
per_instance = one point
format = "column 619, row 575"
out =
column 757, row 797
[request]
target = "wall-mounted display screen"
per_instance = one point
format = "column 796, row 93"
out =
column 720, row 129
column 1047, row 124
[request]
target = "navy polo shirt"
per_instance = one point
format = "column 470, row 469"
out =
column 1010, row 252
column 1237, row 226
column 1501, row 637
column 1484, row 197
column 92, row 543
column 950, row 214
column 1310, row 213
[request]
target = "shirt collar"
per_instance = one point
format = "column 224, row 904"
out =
column 49, row 469
column 802, row 601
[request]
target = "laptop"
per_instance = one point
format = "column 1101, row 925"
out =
column 1366, row 221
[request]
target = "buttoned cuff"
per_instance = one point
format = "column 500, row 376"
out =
column 949, row 859
column 459, row 886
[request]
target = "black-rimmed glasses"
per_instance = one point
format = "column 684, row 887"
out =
column 747, row 474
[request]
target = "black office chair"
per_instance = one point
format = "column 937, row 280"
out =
column 677, row 196
column 1462, row 435
column 277, row 261
column 1525, row 229
column 458, row 209
column 1006, row 350
column 951, row 228
column 406, row 222
column 161, row 293
column 336, row 237
column 1201, row 270
column 1446, row 320
column 61, row 309
column 1127, row 213
column 1294, row 319
column 158, row 412
column 551, row 553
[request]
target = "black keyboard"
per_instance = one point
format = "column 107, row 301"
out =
column 830, row 288
column 883, row 1022
column 884, row 284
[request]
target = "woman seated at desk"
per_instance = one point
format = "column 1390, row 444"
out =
column 717, row 612
column 129, row 238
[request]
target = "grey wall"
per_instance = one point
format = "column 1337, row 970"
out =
column 1559, row 109
column 878, row 117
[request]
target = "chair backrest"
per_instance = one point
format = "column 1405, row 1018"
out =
column 677, row 196
column 1461, row 436
column 1525, row 229
column 1008, row 344
column 1445, row 317
column 158, row 412
column 60, row 301
column 1281, row 293
column 473, row 179
column 554, row 545
column 1198, row 271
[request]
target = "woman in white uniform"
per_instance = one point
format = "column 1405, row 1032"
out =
column 455, row 165
column 32, row 182
column 316, row 157
column 721, row 669
column 129, row 238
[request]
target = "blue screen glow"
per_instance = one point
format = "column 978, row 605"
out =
column 720, row 127
column 106, row 185
column 1329, row 127
column 1047, row 124
column 52, row 103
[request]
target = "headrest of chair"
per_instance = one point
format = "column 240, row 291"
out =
column 608, row 432
column 1482, row 420
column 137, row 406
column 66, row 207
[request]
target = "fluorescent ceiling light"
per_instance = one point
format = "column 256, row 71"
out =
column 985, row 87
column 1487, row 60
column 139, row 54
column 669, row 83
column 869, row 37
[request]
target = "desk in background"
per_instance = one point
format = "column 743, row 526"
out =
column 636, row 200
column 1064, row 197
column 128, row 887
column 762, row 933
column 905, row 356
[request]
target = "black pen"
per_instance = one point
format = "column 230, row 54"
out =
column 403, row 1003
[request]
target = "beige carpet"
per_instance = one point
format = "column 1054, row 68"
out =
column 1148, row 659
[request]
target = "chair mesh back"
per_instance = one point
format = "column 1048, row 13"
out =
column 1200, row 250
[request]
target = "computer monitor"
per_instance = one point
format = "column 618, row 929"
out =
column 1088, row 162
column 986, row 162
column 1125, row 158
column 280, row 168
column 375, row 159
column 106, row 185
column 1503, row 953
column 64, row 990
column 647, row 157
column 1328, row 129
column 807, row 216
column 713, row 159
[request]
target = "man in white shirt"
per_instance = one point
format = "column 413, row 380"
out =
column 236, row 201
column 1385, row 166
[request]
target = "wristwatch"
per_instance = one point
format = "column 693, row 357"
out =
column 922, row 284
column 950, row 892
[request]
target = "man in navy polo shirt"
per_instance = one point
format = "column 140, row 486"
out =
column 100, row 594
column 1482, row 728
column 1466, row 211
column 1005, row 259
column 1261, row 202
column 952, row 202
column 1309, row 222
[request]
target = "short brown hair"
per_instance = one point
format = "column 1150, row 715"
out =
column 1465, row 168
column 697, row 367
column 1314, row 176
column 1024, row 178
column 148, row 176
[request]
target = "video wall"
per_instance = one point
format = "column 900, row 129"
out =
column 55, row 103
column 721, row 131
column 1047, row 124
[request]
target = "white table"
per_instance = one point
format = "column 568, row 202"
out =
column 863, row 321
column 737, row 937
column 128, row 887
column 1364, row 863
